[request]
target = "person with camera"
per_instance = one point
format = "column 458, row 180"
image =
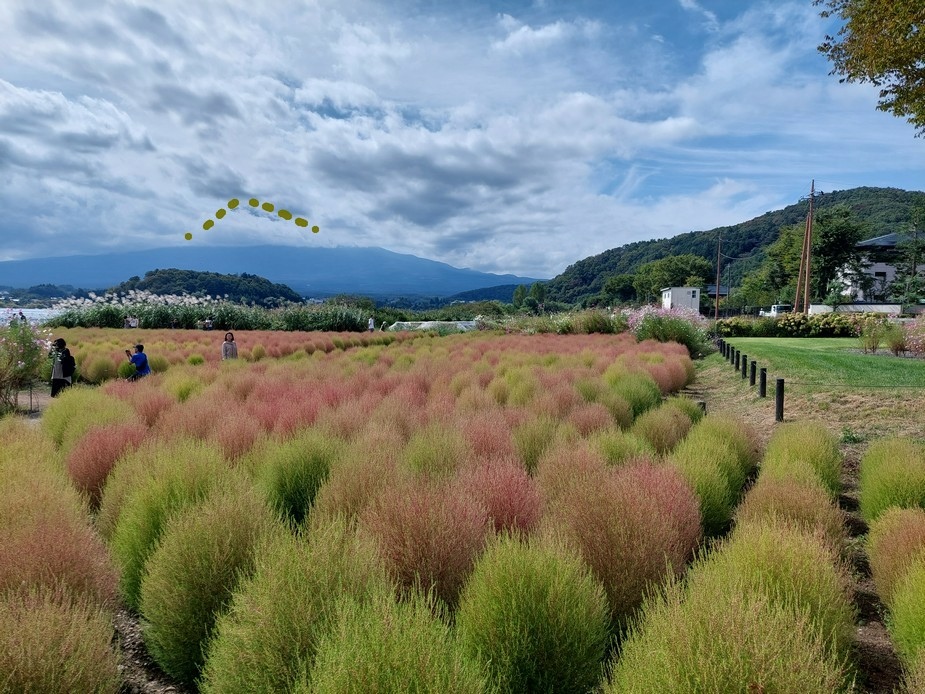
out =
column 140, row 360
column 62, row 367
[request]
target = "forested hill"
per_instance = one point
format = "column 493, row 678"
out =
column 884, row 210
column 240, row 288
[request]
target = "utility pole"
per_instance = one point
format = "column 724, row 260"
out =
column 805, row 258
column 719, row 244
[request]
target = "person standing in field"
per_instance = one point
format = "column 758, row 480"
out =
column 372, row 324
column 229, row 347
column 140, row 360
column 62, row 368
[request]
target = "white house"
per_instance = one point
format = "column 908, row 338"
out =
column 681, row 297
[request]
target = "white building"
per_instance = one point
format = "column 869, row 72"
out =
column 681, row 297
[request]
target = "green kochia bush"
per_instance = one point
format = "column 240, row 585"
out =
column 724, row 641
column 906, row 622
column 76, row 409
column 383, row 646
column 56, row 644
column 804, row 451
column 268, row 638
column 145, row 489
column 190, row 577
column 892, row 474
column 534, row 617
column 896, row 539
column 662, row 427
column 291, row 472
column 768, row 610
column 639, row 389
column 715, row 458
column 806, row 505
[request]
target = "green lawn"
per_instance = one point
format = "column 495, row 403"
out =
column 826, row 362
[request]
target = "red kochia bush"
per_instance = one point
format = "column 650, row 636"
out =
column 57, row 551
column 428, row 535
column 90, row 461
column 633, row 528
column 505, row 490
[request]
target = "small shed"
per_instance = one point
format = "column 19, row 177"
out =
column 681, row 297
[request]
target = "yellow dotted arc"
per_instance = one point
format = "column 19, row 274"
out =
column 253, row 202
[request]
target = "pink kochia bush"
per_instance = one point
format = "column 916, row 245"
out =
column 91, row 460
column 507, row 493
column 428, row 535
column 635, row 526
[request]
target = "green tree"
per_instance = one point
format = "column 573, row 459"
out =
column 520, row 293
column 836, row 233
column 619, row 288
column 538, row 292
column 909, row 287
column 881, row 42
column 671, row 271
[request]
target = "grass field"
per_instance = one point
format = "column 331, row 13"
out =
column 830, row 362
column 862, row 396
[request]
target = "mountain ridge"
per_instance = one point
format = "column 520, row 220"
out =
column 313, row 272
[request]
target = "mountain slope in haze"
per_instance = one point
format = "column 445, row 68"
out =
column 883, row 210
column 373, row 272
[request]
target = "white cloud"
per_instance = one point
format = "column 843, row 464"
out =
column 505, row 143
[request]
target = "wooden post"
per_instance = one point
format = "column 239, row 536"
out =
column 751, row 375
column 738, row 358
column 744, row 366
column 763, row 383
column 779, row 401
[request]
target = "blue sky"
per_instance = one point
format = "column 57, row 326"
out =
column 502, row 136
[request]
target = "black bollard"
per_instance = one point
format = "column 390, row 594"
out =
column 751, row 373
column 738, row 359
column 763, row 383
column 744, row 366
column 779, row 401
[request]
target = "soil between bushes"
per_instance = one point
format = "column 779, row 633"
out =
column 858, row 416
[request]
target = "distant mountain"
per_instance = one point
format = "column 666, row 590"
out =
column 503, row 293
column 883, row 210
column 313, row 272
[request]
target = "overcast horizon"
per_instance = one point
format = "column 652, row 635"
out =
column 506, row 137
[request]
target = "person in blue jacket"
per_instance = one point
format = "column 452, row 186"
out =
column 140, row 360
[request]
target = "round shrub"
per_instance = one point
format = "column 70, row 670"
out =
column 791, row 568
column 906, row 622
column 191, row 574
column 619, row 446
column 532, row 438
column 125, row 370
column 92, row 458
column 292, row 472
column 804, row 444
column 634, row 528
column 662, row 427
column 508, row 494
column 534, row 617
column 428, row 536
column 384, row 646
column 896, row 539
column 98, row 369
column 687, row 406
column 269, row 636
column 158, row 363
column 195, row 359
column 435, row 451
column 68, row 417
column 638, row 389
column 56, row 644
column 147, row 488
column 724, row 640
column 807, row 505
column 892, row 474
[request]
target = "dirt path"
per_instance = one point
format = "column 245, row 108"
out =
column 858, row 417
